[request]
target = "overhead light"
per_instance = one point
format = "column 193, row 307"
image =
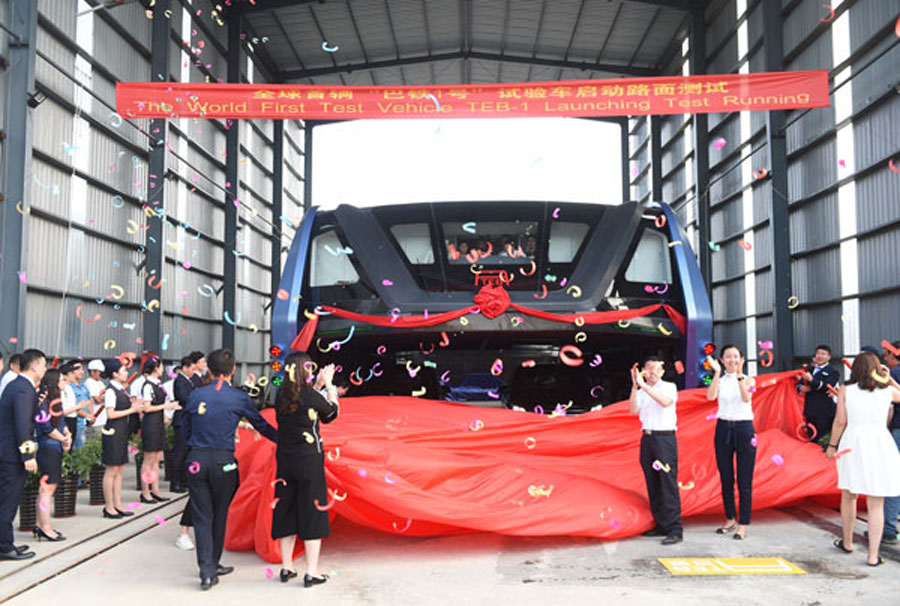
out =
column 36, row 98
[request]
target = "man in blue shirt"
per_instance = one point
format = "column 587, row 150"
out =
column 208, row 423
column 18, row 406
column 82, row 393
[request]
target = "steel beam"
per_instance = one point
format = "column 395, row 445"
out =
column 277, row 200
column 19, row 83
column 299, row 74
column 773, row 47
column 307, row 164
column 232, row 150
column 656, row 192
column 701, row 153
column 160, row 40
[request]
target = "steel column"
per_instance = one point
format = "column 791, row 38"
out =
column 160, row 39
column 656, row 159
column 701, row 152
column 232, row 149
column 626, row 175
column 307, row 164
column 277, row 200
column 773, row 47
column 19, row 83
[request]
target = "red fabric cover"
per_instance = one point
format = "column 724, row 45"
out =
column 494, row 301
column 451, row 475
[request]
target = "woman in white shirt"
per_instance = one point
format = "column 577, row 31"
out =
column 735, row 436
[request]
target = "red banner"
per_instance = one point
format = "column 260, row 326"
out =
column 613, row 97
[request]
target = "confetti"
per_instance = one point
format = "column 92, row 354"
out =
column 434, row 99
column 714, row 247
column 469, row 227
column 201, row 409
column 108, row 431
column 530, row 443
column 389, row 478
column 793, row 302
column 497, row 367
column 889, row 347
column 323, row 507
column 420, row 392
column 663, row 329
column 765, row 344
column 595, row 388
column 830, row 16
column 194, row 467
column 160, row 520
column 540, row 491
column 274, row 503
column 754, row 441
column 96, row 318
column 556, row 213
column 659, row 466
column 329, row 49
column 543, row 294
column 711, row 417
column 719, row 143
column 476, row 425
column 531, row 272
column 598, row 360
column 42, row 417
column 891, row 161
column 766, row 353
column 228, row 319
column 229, row 467
column 745, row 245
column 660, row 221
column 778, row 459
column 268, row 572
column 760, row 174
column 575, row 291
column 674, row 244
column 405, row 528
column 570, row 355
column 688, row 486
column 387, row 282
column 838, row 455
column 679, row 367
column 133, row 449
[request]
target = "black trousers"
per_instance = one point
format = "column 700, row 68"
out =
column 179, row 459
column 12, row 479
column 662, row 485
column 735, row 439
column 211, row 490
column 72, row 424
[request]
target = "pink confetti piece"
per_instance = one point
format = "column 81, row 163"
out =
column 719, row 143
column 634, row 171
column 765, row 344
column 614, row 524
column 842, row 453
column 387, row 282
column 268, row 572
column 22, row 278
column 754, row 441
column 842, row 163
column 160, row 520
column 711, row 417
column 778, row 459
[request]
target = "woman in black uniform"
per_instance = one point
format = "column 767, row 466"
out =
column 119, row 406
column 53, row 438
column 153, row 429
column 303, row 496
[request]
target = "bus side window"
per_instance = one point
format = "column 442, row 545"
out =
column 565, row 240
column 650, row 263
column 415, row 241
column 328, row 268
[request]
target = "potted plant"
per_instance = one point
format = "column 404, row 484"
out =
column 67, row 490
column 169, row 452
column 28, row 503
column 92, row 456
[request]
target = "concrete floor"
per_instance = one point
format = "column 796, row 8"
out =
column 111, row 562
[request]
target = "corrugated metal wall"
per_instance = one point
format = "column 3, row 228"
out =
column 843, row 197
column 90, row 176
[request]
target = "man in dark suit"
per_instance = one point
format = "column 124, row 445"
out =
column 18, row 406
column 819, row 406
column 182, row 387
column 209, row 422
column 199, row 376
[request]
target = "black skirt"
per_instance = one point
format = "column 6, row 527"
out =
column 49, row 462
column 115, row 441
column 296, row 513
column 153, row 432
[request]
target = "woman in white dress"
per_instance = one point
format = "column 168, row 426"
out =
column 869, row 457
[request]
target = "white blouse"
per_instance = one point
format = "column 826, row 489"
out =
column 731, row 406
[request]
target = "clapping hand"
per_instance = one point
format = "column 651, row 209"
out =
column 714, row 364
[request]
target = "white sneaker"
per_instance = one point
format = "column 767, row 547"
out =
column 184, row 542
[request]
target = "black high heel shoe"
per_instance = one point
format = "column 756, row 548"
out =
column 287, row 575
column 112, row 516
column 40, row 535
column 124, row 514
column 150, row 501
column 159, row 499
column 309, row 580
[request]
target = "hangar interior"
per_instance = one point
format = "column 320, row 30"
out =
column 777, row 204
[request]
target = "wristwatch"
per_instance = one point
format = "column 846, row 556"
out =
column 741, row 378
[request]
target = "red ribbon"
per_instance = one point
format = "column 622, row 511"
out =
column 491, row 305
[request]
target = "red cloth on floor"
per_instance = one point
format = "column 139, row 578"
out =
column 426, row 468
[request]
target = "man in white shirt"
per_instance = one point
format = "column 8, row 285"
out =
column 654, row 400
column 12, row 373
column 95, row 387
